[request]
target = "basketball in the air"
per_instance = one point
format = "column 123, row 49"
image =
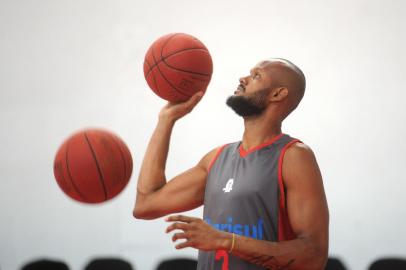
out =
column 177, row 66
column 93, row 166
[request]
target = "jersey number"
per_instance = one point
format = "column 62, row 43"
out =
column 222, row 254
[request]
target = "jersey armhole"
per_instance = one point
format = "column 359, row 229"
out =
column 285, row 231
column 215, row 157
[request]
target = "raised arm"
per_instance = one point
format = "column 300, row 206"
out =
column 155, row 196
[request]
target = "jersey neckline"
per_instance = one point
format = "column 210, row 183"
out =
column 244, row 153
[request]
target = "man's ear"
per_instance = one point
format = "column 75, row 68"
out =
column 279, row 94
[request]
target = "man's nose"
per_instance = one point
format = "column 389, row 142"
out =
column 243, row 80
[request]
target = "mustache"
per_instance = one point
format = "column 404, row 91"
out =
column 241, row 87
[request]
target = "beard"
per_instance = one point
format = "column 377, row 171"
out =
column 250, row 105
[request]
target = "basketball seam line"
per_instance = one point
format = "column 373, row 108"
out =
column 163, row 45
column 98, row 166
column 163, row 59
column 175, row 53
column 122, row 156
column 162, row 49
column 190, row 72
column 155, row 62
column 153, row 77
column 61, row 173
column 70, row 176
column 170, row 84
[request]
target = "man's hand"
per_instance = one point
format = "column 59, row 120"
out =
column 198, row 234
column 174, row 111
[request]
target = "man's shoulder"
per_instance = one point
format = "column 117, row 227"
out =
column 299, row 151
column 300, row 166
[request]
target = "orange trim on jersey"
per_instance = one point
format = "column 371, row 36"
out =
column 244, row 153
column 215, row 157
column 285, row 231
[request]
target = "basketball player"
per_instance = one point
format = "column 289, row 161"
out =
column 263, row 197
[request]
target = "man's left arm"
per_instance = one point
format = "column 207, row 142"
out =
column 308, row 214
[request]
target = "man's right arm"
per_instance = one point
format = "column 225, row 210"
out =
column 155, row 196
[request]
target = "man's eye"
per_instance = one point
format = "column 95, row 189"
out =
column 255, row 76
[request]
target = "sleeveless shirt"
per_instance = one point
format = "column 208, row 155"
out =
column 245, row 195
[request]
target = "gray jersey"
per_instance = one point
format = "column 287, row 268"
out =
column 245, row 195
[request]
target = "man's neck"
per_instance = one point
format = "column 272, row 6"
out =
column 258, row 130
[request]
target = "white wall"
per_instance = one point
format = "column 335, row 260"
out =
column 66, row 65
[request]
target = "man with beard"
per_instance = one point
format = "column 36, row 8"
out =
column 263, row 197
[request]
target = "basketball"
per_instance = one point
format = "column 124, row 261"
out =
column 177, row 66
column 93, row 166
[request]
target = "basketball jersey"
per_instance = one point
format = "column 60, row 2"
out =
column 245, row 195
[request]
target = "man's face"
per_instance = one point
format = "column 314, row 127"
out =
column 250, row 98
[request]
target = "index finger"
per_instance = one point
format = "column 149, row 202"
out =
column 193, row 100
column 179, row 218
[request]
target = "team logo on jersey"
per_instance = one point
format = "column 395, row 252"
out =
column 229, row 185
column 250, row 230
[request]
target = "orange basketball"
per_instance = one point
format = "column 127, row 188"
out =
column 177, row 66
column 93, row 166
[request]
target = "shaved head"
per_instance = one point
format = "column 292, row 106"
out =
column 286, row 74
